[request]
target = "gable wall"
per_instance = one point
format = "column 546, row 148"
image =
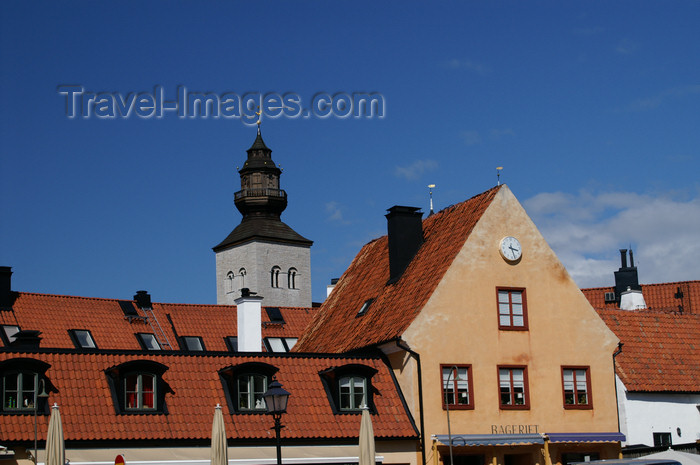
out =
column 459, row 325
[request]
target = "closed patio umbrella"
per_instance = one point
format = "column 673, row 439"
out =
column 55, row 448
column 366, row 439
column 219, row 446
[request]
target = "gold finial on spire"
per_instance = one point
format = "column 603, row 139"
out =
column 259, row 113
column 498, row 175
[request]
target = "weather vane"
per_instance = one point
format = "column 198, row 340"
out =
column 498, row 174
column 259, row 113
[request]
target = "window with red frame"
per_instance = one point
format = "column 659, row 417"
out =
column 512, row 382
column 576, row 383
column 512, row 309
column 457, row 387
column 140, row 389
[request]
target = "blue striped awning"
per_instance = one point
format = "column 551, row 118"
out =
column 585, row 437
column 489, row 439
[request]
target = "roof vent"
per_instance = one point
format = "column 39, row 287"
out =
column 26, row 339
column 632, row 299
column 405, row 231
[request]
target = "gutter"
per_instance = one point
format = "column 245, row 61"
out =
column 416, row 355
column 617, row 400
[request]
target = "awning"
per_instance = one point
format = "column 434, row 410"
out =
column 585, row 437
column 489, row 439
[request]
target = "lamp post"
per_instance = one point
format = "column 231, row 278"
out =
column 37, row 396
column 276, row 399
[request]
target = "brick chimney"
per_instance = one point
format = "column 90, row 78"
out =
column 405, row 231
column 249, row 317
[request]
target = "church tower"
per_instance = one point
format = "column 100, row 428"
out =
column 262, row 253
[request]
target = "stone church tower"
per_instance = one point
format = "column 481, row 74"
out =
column 262, row 253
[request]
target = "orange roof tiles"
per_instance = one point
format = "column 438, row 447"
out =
column 88, row 412
column 661, row 350
column 661, row 297
column 336, row 327
column 110, row 330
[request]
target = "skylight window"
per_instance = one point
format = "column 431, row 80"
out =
column 82, row 338
column 9, row 332
column 275, row 315
column 148, row 341
column 365, row 307
column 193, row 343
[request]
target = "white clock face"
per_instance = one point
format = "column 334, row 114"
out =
column 511, row 249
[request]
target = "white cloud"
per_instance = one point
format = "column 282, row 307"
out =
column 500, row 133
column 649, row 103
column 625, row 47
column 415, row 169
column 335, row 213
column 586, row 230
column 470, row 137
column 469, row 65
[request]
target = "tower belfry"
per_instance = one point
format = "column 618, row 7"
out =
column 262, row 253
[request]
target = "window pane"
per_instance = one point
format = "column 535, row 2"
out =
column 504, row 320
column 503, row 297
column 276, row 344
column 148, row 391
column 84, row 339
column 516, row 297
column 291, row 341
column 193, row 343
column 10, row 332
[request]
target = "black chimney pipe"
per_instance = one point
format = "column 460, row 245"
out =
column 623, row 258
column 405, row 235
column 7, row 297
column 143, row 299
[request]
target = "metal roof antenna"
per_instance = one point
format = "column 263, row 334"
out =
column 498, row 175
column 430, row 190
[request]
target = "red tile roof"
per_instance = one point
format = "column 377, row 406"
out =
column 88, row 412
column 661, row 297
column 110, row 330
column 336, row 328
column 661, row 350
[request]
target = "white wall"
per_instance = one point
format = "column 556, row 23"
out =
column 642, row 414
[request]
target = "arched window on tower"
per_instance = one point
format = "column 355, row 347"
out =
column 242, row 273
column 229, row 277
column 292, row 278
column 275, row 276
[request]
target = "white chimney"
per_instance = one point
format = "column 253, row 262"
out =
column 330, row 287
column 249, row 312
column 632, row 299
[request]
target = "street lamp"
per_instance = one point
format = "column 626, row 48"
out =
column 37, row 396
column 276, row 403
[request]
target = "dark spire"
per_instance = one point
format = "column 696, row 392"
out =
column 261, row 201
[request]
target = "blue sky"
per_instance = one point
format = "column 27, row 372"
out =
column 591, row 108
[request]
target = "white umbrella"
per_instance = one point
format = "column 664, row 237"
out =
column 366, row 439
column 219, row 446
column 55, row 448
column 683, row 457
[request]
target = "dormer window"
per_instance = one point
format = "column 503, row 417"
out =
column 349, row 387
column 23, row 382
column 138, row 387
column 353, row 392
column 140, row 391
column 82, row 338
column 245, row 384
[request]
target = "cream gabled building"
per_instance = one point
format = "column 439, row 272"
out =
column 483, row 326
